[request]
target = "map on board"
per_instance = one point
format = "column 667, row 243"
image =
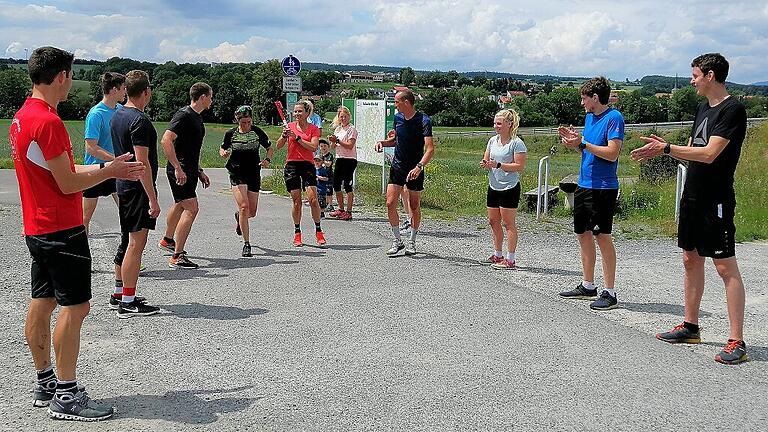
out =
column 370, row 122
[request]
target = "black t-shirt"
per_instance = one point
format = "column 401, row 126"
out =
column 328, row 157
column 244, row 148
column 132, row 128
column 409, row 148
column 189, row 129
column 713, row 183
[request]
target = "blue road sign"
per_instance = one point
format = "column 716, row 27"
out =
column 291, row 66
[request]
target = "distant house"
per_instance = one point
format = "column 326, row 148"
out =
column 363, row 77
column 400, row 88
column 663, row 95
column 516, row 93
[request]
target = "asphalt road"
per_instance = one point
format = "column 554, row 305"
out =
column 344, row 338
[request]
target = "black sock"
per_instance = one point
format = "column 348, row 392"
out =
column 169, row 240
column 66, row 387
column 296, row 228
column 317, row 227
column 47, row 378
column 694, row 328
column 118, row 283
column 246, row 243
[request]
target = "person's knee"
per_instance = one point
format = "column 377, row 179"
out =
column 727, row 270
column 691, row 260
column 78, row 312
column 191, row 206
column 244, row 208
column 43, row 307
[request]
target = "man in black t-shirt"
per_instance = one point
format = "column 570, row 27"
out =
column 708, row 204
column 182, row 142
column 414, row 148
column 133, row 132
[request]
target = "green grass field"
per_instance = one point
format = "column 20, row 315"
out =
column 456, row 185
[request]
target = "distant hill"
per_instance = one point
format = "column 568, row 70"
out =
column 760, row 84
column 667, row 83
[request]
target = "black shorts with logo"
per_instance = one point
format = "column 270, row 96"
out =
column 707, row 228
column 299, row 174
column 105, row 188
column 61, row 266
column 399, row 177
column 252, row 179
column 185, row 191
column 133, row 208
column 509, row 198
column 593, row 210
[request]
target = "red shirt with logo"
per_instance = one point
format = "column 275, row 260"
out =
column 38, row 135
column 297, row 152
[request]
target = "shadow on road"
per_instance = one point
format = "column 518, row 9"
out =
column 224, row 313
column 188, row 406
column 181, row 274
column 660, row 308
column 452, row 259
column 255, row 261
column 547, row 271
column 447, row 234
column 351, row 247
column 372, row 219
column 755, row 353
column 295, row 252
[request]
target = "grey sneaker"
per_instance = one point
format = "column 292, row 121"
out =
column 78, row 406
column 604, row 302
column 580, row 293
column 410, row 247
column 397, row 246
column 43, row 395
column 735, row 352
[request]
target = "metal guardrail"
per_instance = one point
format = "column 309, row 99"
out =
column 682, row 173
column 662, row 126
column 545, row 197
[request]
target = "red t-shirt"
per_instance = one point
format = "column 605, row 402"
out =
column 38, row 135
column 296, row 152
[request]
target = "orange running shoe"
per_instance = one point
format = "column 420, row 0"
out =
column 297, row 240
column 320, row 238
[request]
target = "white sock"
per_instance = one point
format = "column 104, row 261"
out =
column 588, row 285
column 498, row 254
column 396, row 232
column 413, row 234
column 510, row 256
column 611, row 291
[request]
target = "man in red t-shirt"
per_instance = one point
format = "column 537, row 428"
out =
column 302, row 138
column 50, row 186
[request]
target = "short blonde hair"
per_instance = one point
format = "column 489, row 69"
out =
column 336, row 121
column 512, row 117
column 308, row 106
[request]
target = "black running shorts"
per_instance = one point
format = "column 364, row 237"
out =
column 105, row 188
column 298, row 174
column 707, row 228
column 185, row 191
column 133, row 208
column 251, row 178
column 593, row 210
column 61, row 266
column 509, row 198
column 343, row 174
column 398, row 177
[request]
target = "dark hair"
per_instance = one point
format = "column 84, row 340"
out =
column 111, row 80
column 136, row 82
column 712, row 62
column 597, row 86
column 323, row 141
column 408, row 95
column 46, row 62
column 198, row 89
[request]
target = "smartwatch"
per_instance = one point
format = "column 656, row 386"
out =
column 268, row 160
column 582, row 145
column 498, row 165
column 667, row 148
column 420, row 165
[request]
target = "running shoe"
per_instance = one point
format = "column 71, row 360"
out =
column 405, row 225
column 247, row 250
column 78, row 406
column 735, row 352
column 504, row 264
column 135, row 308
column 238, row 231
column 142, row 268
column 297, row 240
column 329, row 208
column 410, row 247
column 346, row 216
column 605, row 302
column 43, row 395
column 679, row 334
column 169, row 246
column 181, row 261
column 397, row 246
column 336, row 213
column 320, row 238
column 493, row 259
column 114, row 302
column 580, row 293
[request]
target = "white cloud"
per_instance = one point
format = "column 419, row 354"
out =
column 14, row 48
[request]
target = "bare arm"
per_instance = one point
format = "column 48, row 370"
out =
column 309, row 145
column 93, row 149
column 655, row 147
column 86, row 176
column 609, row 152
column 142, row 155
column 518, row 165
column 349, row 144
column 170, row 152
column 429, row 150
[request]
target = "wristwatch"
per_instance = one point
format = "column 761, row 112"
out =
column 420, row 165
column 268, row 160
column 498, row 165
column 667, row 148
column 582, row 145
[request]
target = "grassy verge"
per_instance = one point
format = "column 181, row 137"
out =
column 455, row 184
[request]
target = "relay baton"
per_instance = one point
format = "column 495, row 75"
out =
column 279, row 106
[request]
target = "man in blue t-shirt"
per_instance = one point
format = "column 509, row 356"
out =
column 598, row 188
column 414, row 148
column 98, row 140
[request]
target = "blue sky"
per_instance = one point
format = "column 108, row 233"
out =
column 585, row 38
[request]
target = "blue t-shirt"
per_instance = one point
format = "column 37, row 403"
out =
column 316, row 120
column 322, row 185
column 598, row 173
column 409, row 148
column 97, row 128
